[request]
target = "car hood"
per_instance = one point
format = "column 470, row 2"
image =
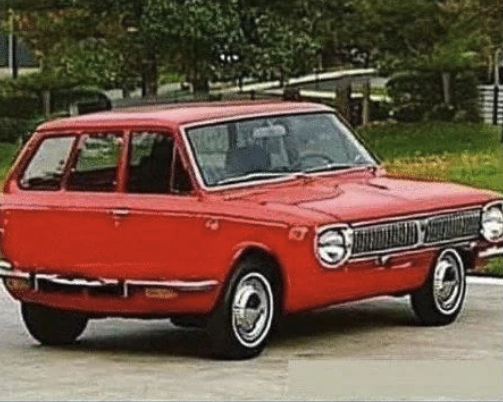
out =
column 364, row 199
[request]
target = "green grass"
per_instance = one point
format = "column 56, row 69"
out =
column 399, row 140
column 464, row 153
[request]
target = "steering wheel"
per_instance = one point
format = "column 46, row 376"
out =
column 311, row 155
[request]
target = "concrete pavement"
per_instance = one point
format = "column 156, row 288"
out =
column 140, row 360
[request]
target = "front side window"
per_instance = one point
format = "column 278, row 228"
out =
column 155, row 166
column 150, row 163
column 269, row 147
column 96, row 165
column 46, row 169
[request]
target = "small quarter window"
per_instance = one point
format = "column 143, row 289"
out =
column 95, row 169
column 46, row 169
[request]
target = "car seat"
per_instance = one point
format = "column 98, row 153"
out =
column 248, row 159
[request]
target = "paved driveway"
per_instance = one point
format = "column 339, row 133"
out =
column 135, row 360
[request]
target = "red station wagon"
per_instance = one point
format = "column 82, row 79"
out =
column 227, row 216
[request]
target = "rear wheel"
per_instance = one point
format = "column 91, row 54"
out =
column 241, row 324
column 51, row 326
column 441, row 299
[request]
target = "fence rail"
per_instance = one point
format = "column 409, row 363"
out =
column 491, row 103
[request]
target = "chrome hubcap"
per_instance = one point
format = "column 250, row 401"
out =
column 448, row 282
column 252, row 309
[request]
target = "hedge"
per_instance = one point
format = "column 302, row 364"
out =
column 417, row 96
column 13, row 130
column 19, row 107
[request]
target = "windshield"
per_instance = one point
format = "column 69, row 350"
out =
column 276, row 146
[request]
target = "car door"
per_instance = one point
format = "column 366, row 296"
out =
column 159, row 233
column 63, row 221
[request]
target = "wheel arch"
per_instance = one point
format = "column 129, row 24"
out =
column 260, row 252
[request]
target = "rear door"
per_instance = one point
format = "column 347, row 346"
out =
column 60, row 218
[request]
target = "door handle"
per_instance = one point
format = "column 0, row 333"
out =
column 120, row 213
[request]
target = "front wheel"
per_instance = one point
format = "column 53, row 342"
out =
column 242, row 322
column 51, row 326
column 441, row 298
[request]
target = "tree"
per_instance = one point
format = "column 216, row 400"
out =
column 446, row 38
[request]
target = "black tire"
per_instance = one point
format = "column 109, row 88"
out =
column 52, row 327
column 428, row 304
column 189, row 321
column 255, row 284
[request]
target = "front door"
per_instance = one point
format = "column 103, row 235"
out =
column 159, row 233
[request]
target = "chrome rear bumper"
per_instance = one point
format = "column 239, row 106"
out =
column 123, row 287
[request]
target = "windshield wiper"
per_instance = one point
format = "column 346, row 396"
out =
column 251, row 176
column 328, row 167
column 337, row 166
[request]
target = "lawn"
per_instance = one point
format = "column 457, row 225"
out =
column 464, row 153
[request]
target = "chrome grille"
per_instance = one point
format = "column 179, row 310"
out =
column 415, row 232
column 453, row 226
column 378, row 238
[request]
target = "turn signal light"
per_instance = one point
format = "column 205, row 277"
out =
column 160, row 293
column 17, row 284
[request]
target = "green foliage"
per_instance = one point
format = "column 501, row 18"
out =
column 7, row 154
column 18, row 107
column 12, row 130
column 22, row 98
column 121, row 43
column 417, row 96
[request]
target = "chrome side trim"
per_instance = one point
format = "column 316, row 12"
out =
column 58, row 280
column 4, row 264
column 124, row 286
column 9, row 273
column 186, row 286
column 491, row 252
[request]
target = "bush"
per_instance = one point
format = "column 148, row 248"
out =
column 409, row 113
column 441, row 112
column 380, row 111
column 417, row 95
column 88, row 99
column 19, row 107
column 22, row 98
column 13, row 130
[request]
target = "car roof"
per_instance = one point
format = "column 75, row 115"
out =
column 174, row 115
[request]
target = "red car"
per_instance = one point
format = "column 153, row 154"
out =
column 227, row 216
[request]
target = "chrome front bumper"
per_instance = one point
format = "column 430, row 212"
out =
column 123, row 286
column 491, row 252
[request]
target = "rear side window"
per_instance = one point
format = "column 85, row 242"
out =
column 46, row 169
column 95, row 168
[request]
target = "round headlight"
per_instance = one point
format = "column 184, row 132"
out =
column 334, row 246
column 492, row 223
